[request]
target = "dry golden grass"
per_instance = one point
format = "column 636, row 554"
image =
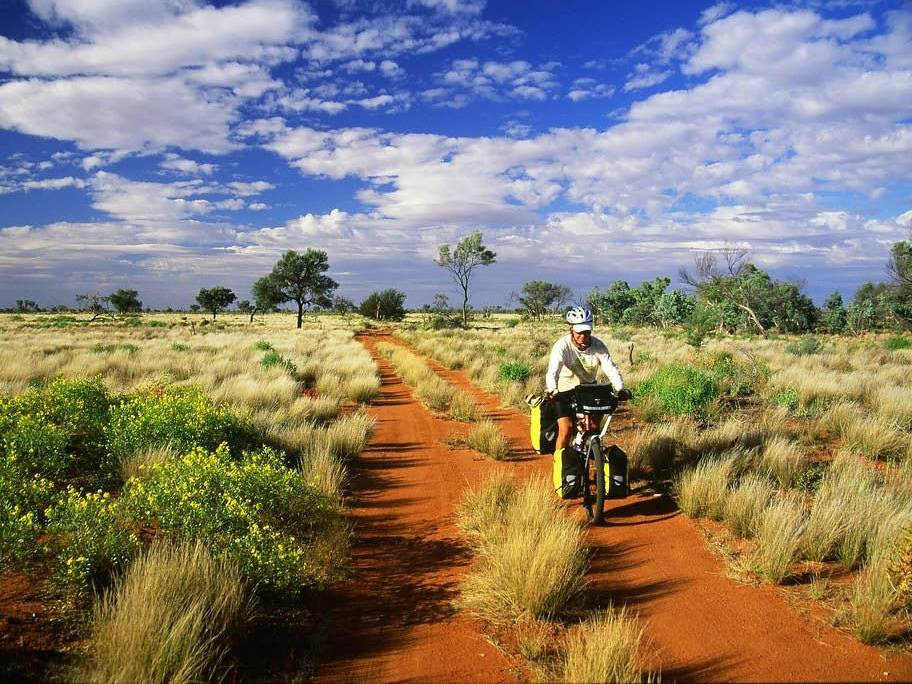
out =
column 895, row 404
column 876, row 437
column 480, row 512
column 487, row 438
column 779, row 538
column 363, row 389
column 745, row 504
column 532, row 564
column 840, row 416
column 872, row 600
column 463, row 407
column 323, row 470
column 655, row 448
column 783, row 459
column 605, row 648
column 703, row 488
column 171, row 618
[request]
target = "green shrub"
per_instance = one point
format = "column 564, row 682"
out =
column 273, row 358
column 179, row 417
column 49, row 430
column 256, row 512
column 180, row 347
column 262, row 345
column 805, row 346
column 787, row 398
column 36, row 446
column 92, row 539
column 512, row 322
column 157, row 324
column 22, row 504
column 111, row 348
column 736, row 378
column 897, row 342
column 678, row 389
column 514, row 371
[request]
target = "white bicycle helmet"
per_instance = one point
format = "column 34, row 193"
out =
column 580, row 319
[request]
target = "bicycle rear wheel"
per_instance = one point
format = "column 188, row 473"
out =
column 597, row 461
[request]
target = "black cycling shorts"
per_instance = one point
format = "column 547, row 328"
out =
column 562, row 405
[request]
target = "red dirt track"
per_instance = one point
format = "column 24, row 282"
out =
column 394, row 620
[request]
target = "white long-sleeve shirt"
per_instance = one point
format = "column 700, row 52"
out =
column 569, row 366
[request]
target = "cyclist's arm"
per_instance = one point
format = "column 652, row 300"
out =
column 611, row 370
column 555, row 364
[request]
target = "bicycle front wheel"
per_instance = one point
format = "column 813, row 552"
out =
column 597, row 461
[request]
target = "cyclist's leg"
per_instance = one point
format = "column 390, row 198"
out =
column 564, row 421
column 564, row 432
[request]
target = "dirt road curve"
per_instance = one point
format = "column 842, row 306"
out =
column 702, row 625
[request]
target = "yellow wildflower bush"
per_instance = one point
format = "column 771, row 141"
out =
column 255, row 511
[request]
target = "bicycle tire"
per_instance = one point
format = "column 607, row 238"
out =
column 598, row 504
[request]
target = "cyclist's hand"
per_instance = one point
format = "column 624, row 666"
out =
column 624, row 394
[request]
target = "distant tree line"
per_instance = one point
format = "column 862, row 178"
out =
column 728, row 293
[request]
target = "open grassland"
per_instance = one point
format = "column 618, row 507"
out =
column 160, row 477
column 803, row 451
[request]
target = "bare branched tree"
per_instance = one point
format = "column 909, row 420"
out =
column 730, row 282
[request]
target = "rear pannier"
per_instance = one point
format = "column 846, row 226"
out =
column 543, row 423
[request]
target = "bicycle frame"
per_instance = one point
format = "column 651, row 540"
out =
column 591, row 429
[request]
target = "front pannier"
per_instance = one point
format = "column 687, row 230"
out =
column 567, row 473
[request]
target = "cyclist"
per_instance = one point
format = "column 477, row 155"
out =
column 575, row 359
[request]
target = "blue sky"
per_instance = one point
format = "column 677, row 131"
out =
column 168, row 145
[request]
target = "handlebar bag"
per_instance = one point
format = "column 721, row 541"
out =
column 567, row 473
column 543, row 426
column 595, row 398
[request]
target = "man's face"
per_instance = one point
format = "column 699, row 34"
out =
column 581, row 339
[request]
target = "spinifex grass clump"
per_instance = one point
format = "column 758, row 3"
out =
column 744, row 506
column 480, row 512
column 703, row 489
column 779, row 536
column 854, row 517
column 877, row 437
column 679, row 389
column 783, row 459
column 171, row 618
column 487, row 438
column 605, row 648
column 531, row 558
column 872, row 599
